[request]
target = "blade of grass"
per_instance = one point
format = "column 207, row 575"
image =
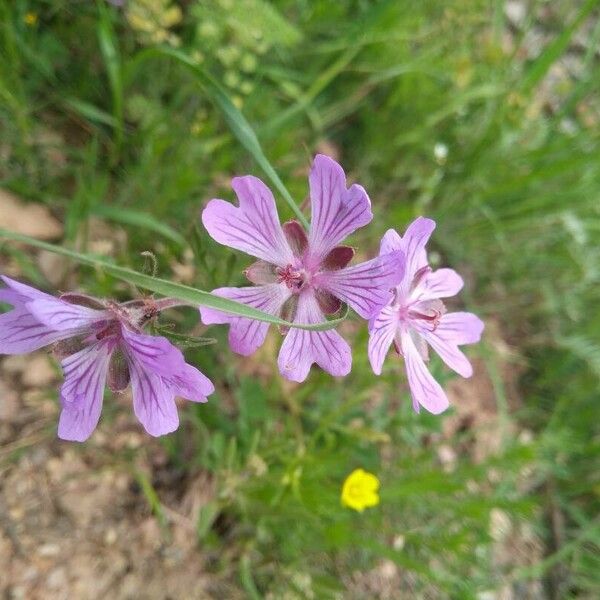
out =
column 540, row 67
column 184, row 293
column 138, row 219
column 238, row 124
column 110, row 53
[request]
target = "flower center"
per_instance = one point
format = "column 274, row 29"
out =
column 112, row 328
column 430, row 311
column 292, row 277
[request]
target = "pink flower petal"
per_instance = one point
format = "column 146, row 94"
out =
column 302, row 348
column 159, row 356
column 425, row 390
column 23, row 290
column 390, row 242
column 253, row 227
column 336, row 210
column 153, row 401
column 381, row 336
column 154, row 353
column 366, row 287
column 20, row 332
column 82, row 392
column 63, row 316
column 443, row 283
column 192, row 384
column 460, row 328
column 247, row 335
column 449, row 353
column 413, row 244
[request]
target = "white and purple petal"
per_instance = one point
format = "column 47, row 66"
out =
column 366, row 287
column 460, row 328
column 82, row 391
column 155, row 353
column 247, row 335
column 390, row 242
column 253, row 227
column 153, row 400
column 62, row 316
column 302, row 348
column 381, row 335
column 20, row 332
column 336, row 210
column 26, row 291
column 443, row 283
column 424, row 389
column 191, row 384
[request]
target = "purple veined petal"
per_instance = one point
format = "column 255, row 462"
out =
column 390, row 242
column 253, row 227
column 366, row 287
column 336, row 211
column 413, row 244
column 63, row 316
column 381, row 336
column 20, row 332
column 154, row 353
column 443, row 283
column 28, row 292
column 192, row 385
column 8, row 296
column 424, row 389
column 82, row 391
column 247, row 335
column 449, row 353
column 153, row 400
column 302, row 348
column 460, row 328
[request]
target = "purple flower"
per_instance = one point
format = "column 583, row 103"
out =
column 300, row 277
column 97, row 343
column 417, row 317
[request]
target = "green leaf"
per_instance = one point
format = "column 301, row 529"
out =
column 235, row 119
column 138, row 219
column 186, row 294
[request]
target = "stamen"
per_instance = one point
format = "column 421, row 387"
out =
column 292, row 278
column 429, row 311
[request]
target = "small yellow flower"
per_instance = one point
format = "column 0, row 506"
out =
column 30, row 19
column 360, row 490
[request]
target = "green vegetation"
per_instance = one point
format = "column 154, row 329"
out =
column 488, row 124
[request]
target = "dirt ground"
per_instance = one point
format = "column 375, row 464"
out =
column 75, row 523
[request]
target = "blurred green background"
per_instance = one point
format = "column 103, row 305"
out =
column 481, row 114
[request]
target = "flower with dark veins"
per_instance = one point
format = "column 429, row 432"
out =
column 300, row 276
column 416, row 317
column 101, row 343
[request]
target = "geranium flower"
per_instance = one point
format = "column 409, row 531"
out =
column 417, row 317
column 360, row 490
column 101, row 342
column 300, row 277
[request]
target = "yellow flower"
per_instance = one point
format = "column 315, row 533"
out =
column 360, row 490
column 30, row 19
